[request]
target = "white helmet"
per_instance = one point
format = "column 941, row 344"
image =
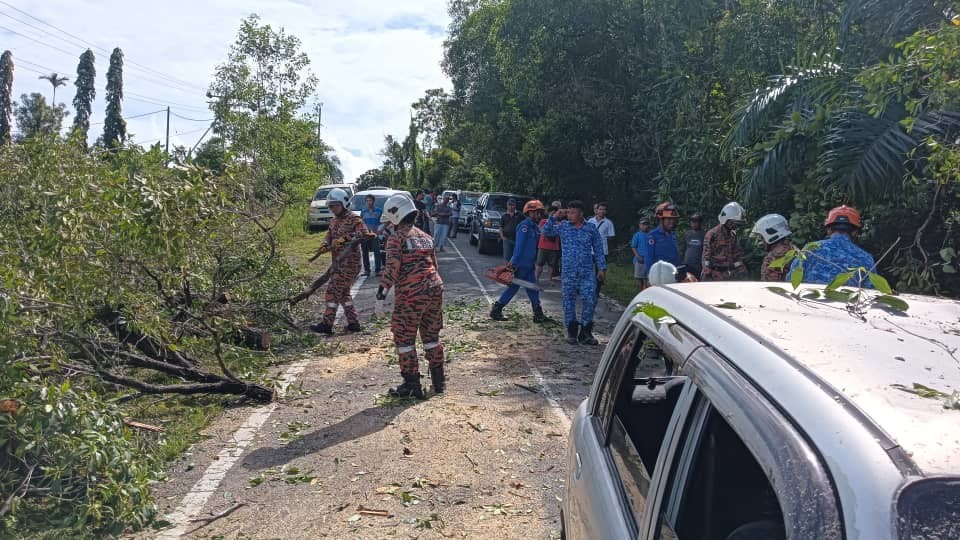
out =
column 772, row 227
column 732, row 211
column 338, row 195
column 662, row 273
column 396, row 208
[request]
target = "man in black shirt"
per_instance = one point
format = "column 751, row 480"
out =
column 508, row 228
column 422, row 220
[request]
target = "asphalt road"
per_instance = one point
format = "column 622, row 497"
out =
column 486, row 459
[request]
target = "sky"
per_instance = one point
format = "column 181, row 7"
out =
column 373, row 58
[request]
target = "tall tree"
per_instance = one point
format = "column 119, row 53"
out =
column 56, row 81
column 6, row 96
column 86, row 92
column 114, row 126
column 429, row 113
column 36, row 118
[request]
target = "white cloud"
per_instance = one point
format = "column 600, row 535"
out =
column 373, row 58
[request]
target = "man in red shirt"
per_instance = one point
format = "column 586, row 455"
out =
column 548, row 249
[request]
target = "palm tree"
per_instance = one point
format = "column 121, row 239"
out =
column 55, row 80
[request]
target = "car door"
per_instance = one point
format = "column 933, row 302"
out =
column 617, row 443
column 738, row 469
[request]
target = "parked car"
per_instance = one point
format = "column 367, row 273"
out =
column 468, row 202
column 380, row 196
column 318, row 215
column 485, row 227
column 773, row 418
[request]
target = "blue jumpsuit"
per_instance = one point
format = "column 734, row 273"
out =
column 524, row 259
column 835, row 255
column 662, row 246
column 582, row 249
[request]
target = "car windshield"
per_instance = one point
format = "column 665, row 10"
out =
column 358, row 202
column 930, row 509
column 498, row 203
column 321, row 194
column 469, row 198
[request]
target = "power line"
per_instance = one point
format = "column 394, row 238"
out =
column 95, row 46
column 132, row 117
column 193, row 119
column 180, row 105
column 180, row 87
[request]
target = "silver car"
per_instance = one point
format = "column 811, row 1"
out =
column 750, row 414
column 318, row 215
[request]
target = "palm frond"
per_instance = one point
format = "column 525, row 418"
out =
column 944, row 125
column 766, row 108
column 864, row 155
column 777, row 167
column 885, row 22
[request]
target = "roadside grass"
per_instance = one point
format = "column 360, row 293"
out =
column 298, row 244
column 181, row 417
column 620, row 284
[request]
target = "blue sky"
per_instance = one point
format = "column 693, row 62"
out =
column 373, row 58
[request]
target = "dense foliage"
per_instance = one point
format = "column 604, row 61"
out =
column 114, row 126
column 86, row 92
column 6, row 96
column 789, row 106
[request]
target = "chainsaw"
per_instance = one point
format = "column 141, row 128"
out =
column 503, row 274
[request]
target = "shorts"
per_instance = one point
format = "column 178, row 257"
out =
column 639, row 270
column 548, row 257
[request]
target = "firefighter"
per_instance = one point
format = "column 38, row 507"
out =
column 838, row 253
column 722, row 254
column 523, row 262
column 344, row 227
column 775, row 232
column 411, row 270
column 662, row 241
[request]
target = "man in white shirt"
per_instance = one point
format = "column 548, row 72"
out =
column 606, row 230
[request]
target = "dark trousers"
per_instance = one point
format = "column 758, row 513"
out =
column 372, row 246
column 454, row 225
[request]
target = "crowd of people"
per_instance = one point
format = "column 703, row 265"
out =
column 406, row 234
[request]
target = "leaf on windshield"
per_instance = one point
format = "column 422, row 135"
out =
column 655, row 312
column 923, row 391
column 727, row 305
column 880, row 283
column 840, row 280
column 893, row 302
column 796, row 277
column 778, row 290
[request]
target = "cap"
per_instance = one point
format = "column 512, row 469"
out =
column 696, row 217
column 512, row 201
column 644, row 220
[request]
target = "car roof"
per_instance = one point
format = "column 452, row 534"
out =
column 331, row 186
column 379, row 192
column 863, row 360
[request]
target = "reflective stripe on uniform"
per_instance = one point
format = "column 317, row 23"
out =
column 348, row 303
column 332, row 304
column 431, row 345
column 406, row 349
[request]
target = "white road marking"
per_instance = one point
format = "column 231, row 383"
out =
column 547, row 391
column 193, row 503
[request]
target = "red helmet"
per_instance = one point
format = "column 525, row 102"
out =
column 667, row 210
column 843, row 215
column 532, row 206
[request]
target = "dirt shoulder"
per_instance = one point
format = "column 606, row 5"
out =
column 339, row 459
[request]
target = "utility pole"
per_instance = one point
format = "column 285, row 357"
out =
column 168, row 132
column 319, row 140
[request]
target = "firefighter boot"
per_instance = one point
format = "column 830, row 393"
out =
column 538, row 316
column 496, row 312
column 410, row 387
column 322, row 328
column 572, row 329
column 353, row 327
column 438, row 379
column 586, row 335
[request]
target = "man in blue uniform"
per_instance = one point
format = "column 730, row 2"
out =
column 582, row 249
column 662, row 242
column 837, row 253
column 523, row 262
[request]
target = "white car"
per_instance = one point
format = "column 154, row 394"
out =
column 380, row 196
column 318, row 214
column 744, row 413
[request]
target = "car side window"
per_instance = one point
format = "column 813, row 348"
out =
column 718, row 491
column 644, row 405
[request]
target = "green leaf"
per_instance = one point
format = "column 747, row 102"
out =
column 948, row 254
column 782, row 262
column 949, row 269
column 893, row 302
column 778, row 290
column 727, row 305
column 796, row 277
column 837, row 296
column 655, row 312
column 840, row 280
column 812, row 294
column 880, row 283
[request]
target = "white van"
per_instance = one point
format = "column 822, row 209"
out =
column 318, row 215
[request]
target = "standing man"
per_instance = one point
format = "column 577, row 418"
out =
column 370, row 215
column 430, row 201
column 442, row 212
column 548, row 248
column 582, row 252
column 522, row 262
column 775, row 232
column 837, row 253
column 607, row 232
column 722, row 254
column 662, row 242
column 418, row 306
column 508, row 228
column 455, row 215
column 423, row 215
column 638, row 244
column 344, row 227
column 693, row 246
